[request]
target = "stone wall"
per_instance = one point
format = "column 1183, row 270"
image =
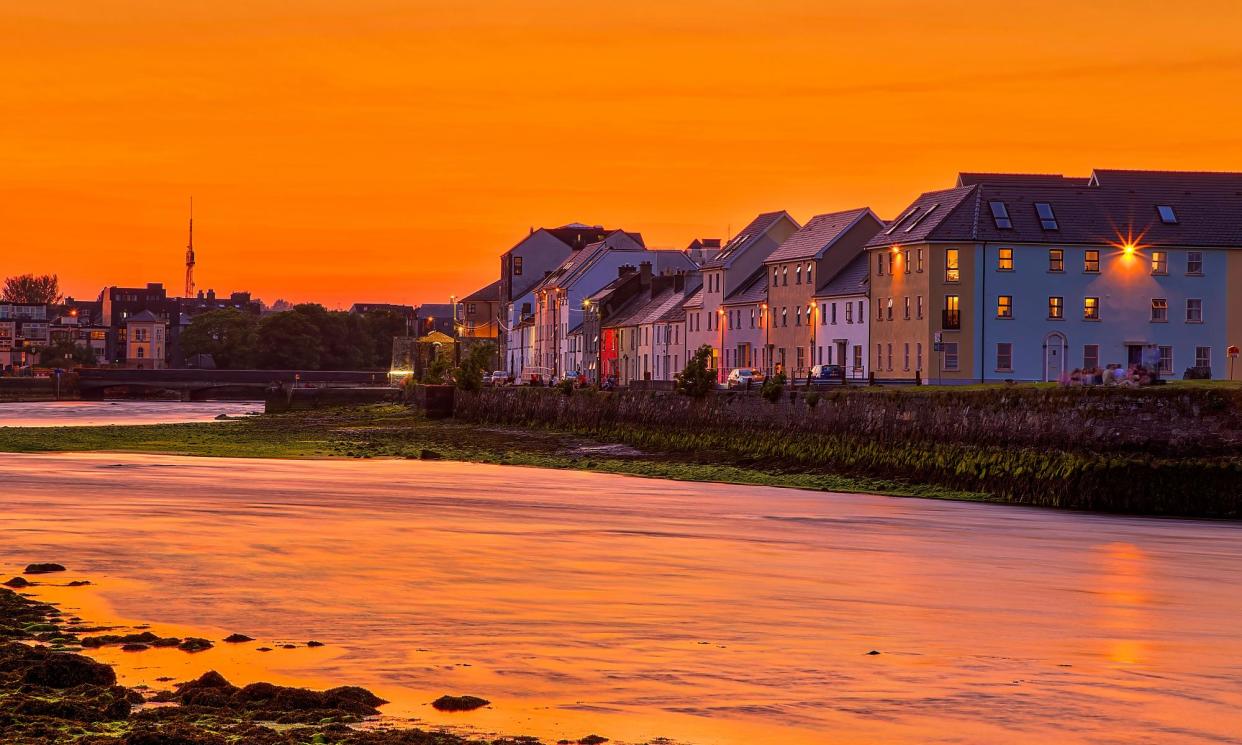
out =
column 1168, row 420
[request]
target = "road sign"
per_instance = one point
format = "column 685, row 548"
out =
column 939, row 337
column 1232, row 351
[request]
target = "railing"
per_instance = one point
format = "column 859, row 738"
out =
column 950, row 319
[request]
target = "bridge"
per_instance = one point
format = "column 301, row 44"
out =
column 197, row 385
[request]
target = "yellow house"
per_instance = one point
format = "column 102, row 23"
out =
column 144, row 342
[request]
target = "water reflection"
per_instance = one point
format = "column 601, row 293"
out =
column 641, row 608
column 96, row 413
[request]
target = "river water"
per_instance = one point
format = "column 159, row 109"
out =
column 639, row 608
column 93, row 413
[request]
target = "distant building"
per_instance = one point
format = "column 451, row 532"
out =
column 478, row 314
column 145, row 341
column 118, row 304
column 405, row 311
column 430, row 317
column 24, row 332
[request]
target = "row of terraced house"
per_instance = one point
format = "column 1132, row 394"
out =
column 1001, row 277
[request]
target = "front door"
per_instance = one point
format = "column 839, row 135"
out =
column 1134, row 354
column 1054, row 356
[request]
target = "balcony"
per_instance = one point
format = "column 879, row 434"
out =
column 950, row 320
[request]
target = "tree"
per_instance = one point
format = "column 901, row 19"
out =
column 35, row 289
column 773, row 387
column 228, row 335
column 65, row 353
column 697, row 379
column 469, row 375
column 288, row 341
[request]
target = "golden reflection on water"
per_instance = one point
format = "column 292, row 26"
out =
column 639, row 608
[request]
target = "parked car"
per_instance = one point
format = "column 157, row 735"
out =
column 744, row 377
column 827, row 375
column 499, row 377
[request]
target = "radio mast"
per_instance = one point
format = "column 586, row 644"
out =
column 189, row 256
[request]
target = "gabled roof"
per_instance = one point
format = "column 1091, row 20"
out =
column 747, row 237
column 851, row 280
column 753, row 290
column 650, row 309
column 695, row 299
column 1112, row 207
column 145, row 316
column 817, row 235
column 488, row 293
column 1018, row 179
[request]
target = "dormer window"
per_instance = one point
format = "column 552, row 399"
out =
column 900, row 220
column 921, row 217
column 1167, row 215
column 1047, row 220
column 1000, row 214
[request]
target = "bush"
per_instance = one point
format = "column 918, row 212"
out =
column 697, row 379
column 812, row 399
column 773, row 387
column 566, row 386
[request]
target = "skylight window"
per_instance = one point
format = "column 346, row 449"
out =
column 920, row 218
column 900, row 220
column 1047, row 220
column 1167, row 215
column 1000, row 213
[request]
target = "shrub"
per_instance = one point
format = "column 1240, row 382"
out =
column 566, row 386
column 812, row 399
column 773, row 387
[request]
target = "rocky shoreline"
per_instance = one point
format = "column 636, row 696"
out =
column 52, row 693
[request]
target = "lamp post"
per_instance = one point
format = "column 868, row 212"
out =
column 810, row 315
column 720, row 363
column 767, row 352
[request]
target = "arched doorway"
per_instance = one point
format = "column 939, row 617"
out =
column 1055, row 347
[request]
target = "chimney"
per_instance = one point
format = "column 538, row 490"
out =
column 625, row 270
column 679, row 281
column 644, row 271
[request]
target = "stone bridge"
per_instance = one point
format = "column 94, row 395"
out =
column 197, row 385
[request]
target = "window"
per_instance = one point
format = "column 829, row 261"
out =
column 1004, row 260
column 858, row 361
column 1194, row 310
column 849, row 312
column 517, row 266
column 470, row 309
column 752, row 318
column 1090, row 356
column 918, row 252
column 798, row 316
column 950, row 355
column 1159, row 310
column 918, row 355
column 862, row 317
column 879, row 264
column 808, row 273
column 879, row 356
column 907, row 303
column 1004, row 306
column 1194, row 262
column 900, row 220
column 905, row 260
column 890, row 355
column 798, row 275
column 1203, row 356
column 1004, row 357
column 879, row 309
column 1167, row 215
column 1091, row 308
column 776, row 276
column 1159, row 262
column 891, row 258
column 952, row 273
column 1166, row 359
column 1000, row 215
column 919, row 307
column 906, row 357
column 785, row 276
column 784, row 316
column 888, row 316
column 921, row 217
column 834, row 312
column 1056, row 260
column 1091, row 261
column 952, row 312
column 1056, row 308
column 1047, row 220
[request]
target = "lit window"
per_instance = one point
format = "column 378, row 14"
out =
column 798, row 275
column 907, row 304
column 517, row 266
column 919, row 307
column 1167, row 215
column 1090, row 356
column 1091, row 261
column 1159, row 310
column 785, row 276
column 1194, row 310
column 1004, row 306
column 1056, row 260
column 1000, row 214
column 888, row 316
column 1203, row 356
column 952, row 272
column 776, row 276
column 1159, row 262
column 808, row 273
column 1056, row 307
column 1004, row 357
column 798, row 316
column 1091, row 308
column 1194, row 262
column 1004, row 260
column 1047, row 220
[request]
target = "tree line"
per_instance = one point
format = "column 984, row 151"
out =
column 306, row 337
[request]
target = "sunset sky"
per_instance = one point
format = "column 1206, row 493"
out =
column 376, row 150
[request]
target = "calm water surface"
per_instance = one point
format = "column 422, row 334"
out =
column 638, row 608
column 93, row 413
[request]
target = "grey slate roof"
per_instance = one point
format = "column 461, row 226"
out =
column 1112, row 207
column 753, row 290
column 746, row 237
column 851, row 280
column 819, row 233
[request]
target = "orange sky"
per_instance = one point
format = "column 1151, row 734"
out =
column 387, row 150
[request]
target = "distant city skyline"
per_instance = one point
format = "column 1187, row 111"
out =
column 381, row 152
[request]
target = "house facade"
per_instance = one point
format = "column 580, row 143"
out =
column 24, row 333
column 1014, row 277
column 722, row 276
column 802, row 265
column 478, row 314
column 841, row 336
column 145, row 342
column 745, row 325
